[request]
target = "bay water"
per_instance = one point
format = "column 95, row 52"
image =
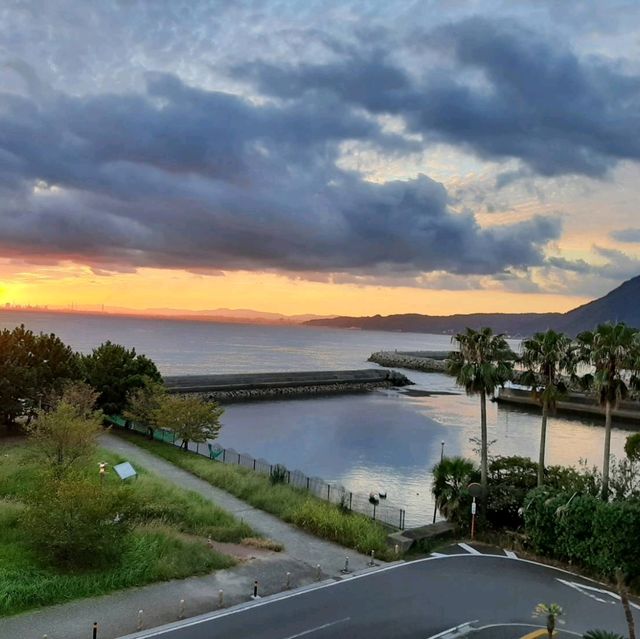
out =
column 386, row 440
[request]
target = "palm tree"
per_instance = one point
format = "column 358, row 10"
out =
column 546, row 357
column 552, row 612
column 611, row 349
column 483, row 361
column 601, row 634
column 451, row 476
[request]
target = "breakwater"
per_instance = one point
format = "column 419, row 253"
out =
column 426, row 361
column 256, row 386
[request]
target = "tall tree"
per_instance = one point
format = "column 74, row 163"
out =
column 611, row 350
column 482, row 362
column 31, row 368
column 547, row 357
column 115, row 371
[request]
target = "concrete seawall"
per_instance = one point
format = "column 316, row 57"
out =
column 255, row 386
column 576, row 403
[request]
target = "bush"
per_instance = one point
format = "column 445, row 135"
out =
column 75, row 522
column 601, row 536
column 278, row 475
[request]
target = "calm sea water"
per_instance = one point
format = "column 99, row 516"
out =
column 386, row 439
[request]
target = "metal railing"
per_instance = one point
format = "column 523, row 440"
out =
column 372, row 505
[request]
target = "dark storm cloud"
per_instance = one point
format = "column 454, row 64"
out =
column 493, row 87
column 175, row 176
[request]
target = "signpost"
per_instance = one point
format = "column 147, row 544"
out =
column 475, row 490
column 125, row 470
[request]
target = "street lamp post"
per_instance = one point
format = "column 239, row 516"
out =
column 435, row 505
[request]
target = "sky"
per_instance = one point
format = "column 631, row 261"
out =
column 327, row 157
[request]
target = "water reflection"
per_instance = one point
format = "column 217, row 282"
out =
column 388, row 440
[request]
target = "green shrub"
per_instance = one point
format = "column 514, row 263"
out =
column 75, row 522
column 616, row 531
column 540, row 519
column 278, row 474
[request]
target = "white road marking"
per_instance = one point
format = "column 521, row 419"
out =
column 240, row 608
column 437, row 554
column 470, row 549
column 510, row 554
column 581, row 588
column 444, row 633
column 326, row 625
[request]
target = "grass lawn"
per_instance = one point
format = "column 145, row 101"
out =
column 168, row 542
column 290, row 504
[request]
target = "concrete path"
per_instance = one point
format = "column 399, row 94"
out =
column 298, row 544
column 117, row 614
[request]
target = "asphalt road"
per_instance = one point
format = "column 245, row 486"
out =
column 415, row 600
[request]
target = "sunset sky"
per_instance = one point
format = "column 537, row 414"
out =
column 325, row 157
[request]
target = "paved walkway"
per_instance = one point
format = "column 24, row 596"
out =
column 117, row 614
column 299, row 545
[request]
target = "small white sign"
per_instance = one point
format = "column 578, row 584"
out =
column 125, row 470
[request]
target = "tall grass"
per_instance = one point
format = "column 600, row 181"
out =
column 290, row 504
column 167, row 542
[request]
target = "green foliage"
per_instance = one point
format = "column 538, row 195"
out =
column 600, row 535
column 157, row 548
column 144, row 403
column 287, row 502
column 278, row 474
column 74, row 522
column 33, row 366
column 115, row 371
column 192, row 419
column 66, row 435
column 632, row 447
column 451, row 477
column 601, row 634
column 483, row 361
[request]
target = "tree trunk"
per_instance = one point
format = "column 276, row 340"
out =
column 483, row 443
column 543, row 443
column 607, row 450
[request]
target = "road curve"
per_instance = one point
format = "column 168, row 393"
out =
column 414, row 600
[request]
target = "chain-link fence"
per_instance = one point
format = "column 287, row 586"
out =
column 374, row 505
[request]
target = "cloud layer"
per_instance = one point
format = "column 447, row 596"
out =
column 177, row 176
column 239, row 167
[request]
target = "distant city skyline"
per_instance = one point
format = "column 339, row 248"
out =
column 319, row 157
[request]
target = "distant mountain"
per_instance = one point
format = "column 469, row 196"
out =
column 622, row 305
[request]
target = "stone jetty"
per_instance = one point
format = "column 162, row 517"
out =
column 426, row 361
column 255, row 386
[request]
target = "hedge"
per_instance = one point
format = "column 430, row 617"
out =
column 582, row 529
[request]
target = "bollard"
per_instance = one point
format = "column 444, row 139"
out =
column 345, row 570
column 181, row 609
column 140, row 619
column 95, row 630
column 288, row 582
column 318, row 572
column 220, row 598
column 397, row 549
column 372, row 562
column 255, row 590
